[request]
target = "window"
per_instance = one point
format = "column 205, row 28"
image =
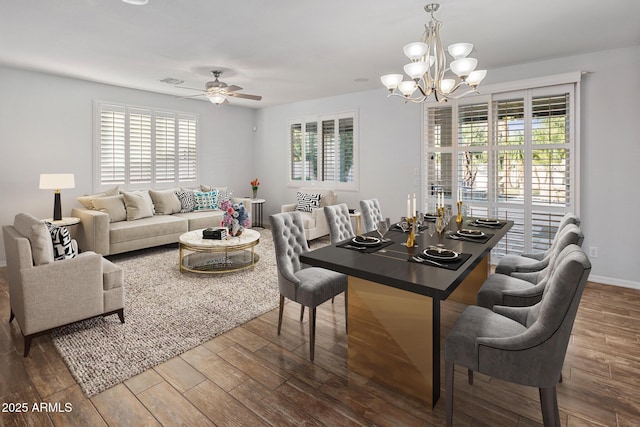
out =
column 324, row 149
column 138, row 147
column 512, row 155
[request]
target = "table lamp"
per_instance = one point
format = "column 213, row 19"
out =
column 56, row 181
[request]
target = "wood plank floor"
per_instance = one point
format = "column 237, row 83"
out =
column 250, row 376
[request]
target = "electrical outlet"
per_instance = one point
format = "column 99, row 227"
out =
column 593, row 251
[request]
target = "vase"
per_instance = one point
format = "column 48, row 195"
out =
column 255, row 193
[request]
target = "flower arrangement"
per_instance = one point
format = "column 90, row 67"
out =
column 235, row 218
column 254, row 186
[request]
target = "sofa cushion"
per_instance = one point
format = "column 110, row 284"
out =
column 145, row 228
column 112, row 206
column 307, row 202
column 187, row 201
column 63, row 247
column 87, row 201
column 139, row 204
column 36, row 231
column 206, row 219
column 205, row 200
column 165, row 202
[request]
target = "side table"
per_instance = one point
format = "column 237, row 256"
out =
column 357, row 215
column 66, row 221
column 256, row 212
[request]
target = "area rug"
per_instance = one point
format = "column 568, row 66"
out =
column 166, row 313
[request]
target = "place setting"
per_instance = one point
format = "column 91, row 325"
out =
column 365, row 244
column 470, row 235
column 487, row 223
column 440, row 257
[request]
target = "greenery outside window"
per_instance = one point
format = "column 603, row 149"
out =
column 324, row 149
column 141, row 148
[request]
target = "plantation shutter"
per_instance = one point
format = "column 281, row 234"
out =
column 187, row 149
column 112, row 146
column 311, row 151
column 346, row 154
column 295, row 151
column 140, row 162
column 328, row 150
column 165, row 148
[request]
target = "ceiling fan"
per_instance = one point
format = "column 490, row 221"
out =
column 218, row 92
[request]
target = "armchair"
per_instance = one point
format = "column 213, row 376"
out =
column 315, row 222
column 45, row 294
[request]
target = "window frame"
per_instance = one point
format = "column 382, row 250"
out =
column 182, row 145
column 318, row 120
column 527, row 90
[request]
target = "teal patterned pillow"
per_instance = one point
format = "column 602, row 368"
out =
column 205, row 200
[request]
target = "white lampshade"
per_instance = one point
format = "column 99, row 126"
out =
column 391, row 81
column 460, row 50
column 407, row 87
column 415, row 50
column 463, row 67
column 217, row 98
column 56, row 181
column 475, row 77
column 446, row 85
column 415, row 70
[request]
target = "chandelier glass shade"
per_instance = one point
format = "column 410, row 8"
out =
column 428, row 67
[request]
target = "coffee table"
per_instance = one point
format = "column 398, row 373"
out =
column 199, row 255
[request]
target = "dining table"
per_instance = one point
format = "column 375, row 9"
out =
column 394, row 297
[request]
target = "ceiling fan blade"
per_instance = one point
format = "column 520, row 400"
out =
column 191, row 96
column 190, row 88
column 233, row 88
column 245, row 96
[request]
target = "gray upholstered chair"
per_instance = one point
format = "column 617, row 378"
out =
column 339, row 223
column 525, row 289
column 535, row 261
column 309, row 286
column 522, row 345
column 45, row 294
column 371, row 214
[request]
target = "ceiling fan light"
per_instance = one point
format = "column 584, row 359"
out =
column 415, row 50
column 460, row 50
column 391, row 81
column 217, row 98
column 416, row 70
column 463, row 67
column 407, row 87
column 475, row 77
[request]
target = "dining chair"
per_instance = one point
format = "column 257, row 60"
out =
column 538, row 260
column 522, row 289
column 521, row 345
column 371, row 214
column 339, row 223
column 308, row 286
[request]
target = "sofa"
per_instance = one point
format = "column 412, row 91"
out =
column 46, row 290
column 311, row 202
column 110, row 222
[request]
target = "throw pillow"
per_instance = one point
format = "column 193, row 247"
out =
column 138, row 205
column 187, row 200
column 307, row 202
column 63, row 247
column 112, row 206
column 165, row 202
column 36, row 231
column 205, row 200
column 87, row 201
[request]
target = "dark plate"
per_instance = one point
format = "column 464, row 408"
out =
column 471, row 233
column 441, row 254
column 487, row 221
column 366, row 241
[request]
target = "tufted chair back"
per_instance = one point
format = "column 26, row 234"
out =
column 289, row 240
column 371, row 214
column 339, row 223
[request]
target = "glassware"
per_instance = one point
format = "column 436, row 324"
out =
column 431, row 228
column 382, row 227
column 441, row 226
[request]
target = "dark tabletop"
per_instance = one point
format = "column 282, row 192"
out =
column 392, row 268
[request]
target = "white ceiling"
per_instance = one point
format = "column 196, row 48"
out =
column 291, row 50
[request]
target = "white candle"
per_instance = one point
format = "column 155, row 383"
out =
column 408, row 206
column 414, row 204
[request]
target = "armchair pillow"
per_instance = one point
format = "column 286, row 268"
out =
column 138, row 204
column 36, row 231
column 112, row 206
column 63, row 247
column 307, row 202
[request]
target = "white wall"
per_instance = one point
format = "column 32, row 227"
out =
column 390, row 138
column 46, row 126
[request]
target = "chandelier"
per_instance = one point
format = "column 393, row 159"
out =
column 429, row 64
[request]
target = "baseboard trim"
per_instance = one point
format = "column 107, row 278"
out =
column 614, row 282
